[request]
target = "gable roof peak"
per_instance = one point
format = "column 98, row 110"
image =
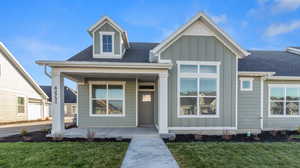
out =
column 19, row 67
column 104, row 19
column 201, row 15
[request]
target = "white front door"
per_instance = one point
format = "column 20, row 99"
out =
column 34, row 111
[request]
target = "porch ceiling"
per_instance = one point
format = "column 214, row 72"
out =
column 89, row 76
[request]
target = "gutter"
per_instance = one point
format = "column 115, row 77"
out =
column 257, row 74
column 284, row 77
column 104, row 64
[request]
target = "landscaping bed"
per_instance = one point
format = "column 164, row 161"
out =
column 233, row 155
column 267, row 136
column 62, row 155
column 40, row 136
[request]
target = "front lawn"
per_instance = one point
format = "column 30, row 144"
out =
column 231, row 155
column 62, row 154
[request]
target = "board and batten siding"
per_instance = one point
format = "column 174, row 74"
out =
column 107, row 28
column 249, row 103
column 203, row 48
column 283, row 123
column 129, row 120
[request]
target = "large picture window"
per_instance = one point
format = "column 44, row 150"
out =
column 284, row 100
column 107, row 98
column 198, row 89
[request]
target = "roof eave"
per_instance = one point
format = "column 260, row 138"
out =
column 105, row 64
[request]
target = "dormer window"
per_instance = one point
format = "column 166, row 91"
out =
column 107, row 45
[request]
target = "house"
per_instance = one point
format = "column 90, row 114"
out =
column 196, row 80
column 70, row 100
column 21, row 98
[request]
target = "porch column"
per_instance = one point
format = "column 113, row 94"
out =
column 163, row 103
column 57, row 104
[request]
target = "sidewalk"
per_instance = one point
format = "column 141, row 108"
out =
column 148, row 152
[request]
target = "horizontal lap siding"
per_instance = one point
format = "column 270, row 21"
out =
column 278, row 123
column 249, row 103
column 203, row 48
column 129, row 120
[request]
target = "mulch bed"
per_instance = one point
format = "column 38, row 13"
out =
column 40, row 136
column 267, row 136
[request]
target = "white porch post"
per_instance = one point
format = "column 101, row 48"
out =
column 163, row 103
column 57, row 109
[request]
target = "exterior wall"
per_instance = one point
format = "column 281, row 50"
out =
column 12, row 85
column 107, row 28
column 129, row 120
column 278, row 123
column 203, row 48
column 249, row 103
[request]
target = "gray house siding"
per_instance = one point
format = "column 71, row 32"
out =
column 107, row 28
column 278, row 123
column 249, row 103
column 84, row 120
column 203, row 48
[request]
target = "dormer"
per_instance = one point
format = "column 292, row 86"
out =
column 109, row 39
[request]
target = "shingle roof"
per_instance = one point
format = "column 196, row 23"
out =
column 281, row 62
column 138, row 52
column 70, row 95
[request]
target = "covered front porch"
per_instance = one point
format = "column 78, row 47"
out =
column 112, row 116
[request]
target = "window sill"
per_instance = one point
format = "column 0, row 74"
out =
column 202, row 116
column 97, row 115
column 284, row 116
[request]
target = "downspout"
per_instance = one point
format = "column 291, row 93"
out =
column 46, row 72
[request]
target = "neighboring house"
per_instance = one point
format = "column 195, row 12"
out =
column 198, row 80
column 70, row 99
column 21, row 98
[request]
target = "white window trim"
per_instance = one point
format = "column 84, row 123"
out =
column 101, row 43
column 284, row 104
column 203, row 75
column 91, row 83
column 246, row 79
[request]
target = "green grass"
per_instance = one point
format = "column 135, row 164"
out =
column 297, row 136
column 62, row 154
column 233, row 155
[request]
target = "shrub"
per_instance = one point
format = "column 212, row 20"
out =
column 45, row 130
column 24, row 132
column 298, row 130
column 226, row 135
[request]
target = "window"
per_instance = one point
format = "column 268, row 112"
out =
column 107, row 45
column 198, row 89
column 246, row 84
column 21, row 104
column 107, row 99
column 284, row 100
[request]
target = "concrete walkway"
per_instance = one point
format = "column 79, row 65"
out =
column 148, row 152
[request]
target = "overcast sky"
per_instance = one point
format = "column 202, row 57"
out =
column 55, row 29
